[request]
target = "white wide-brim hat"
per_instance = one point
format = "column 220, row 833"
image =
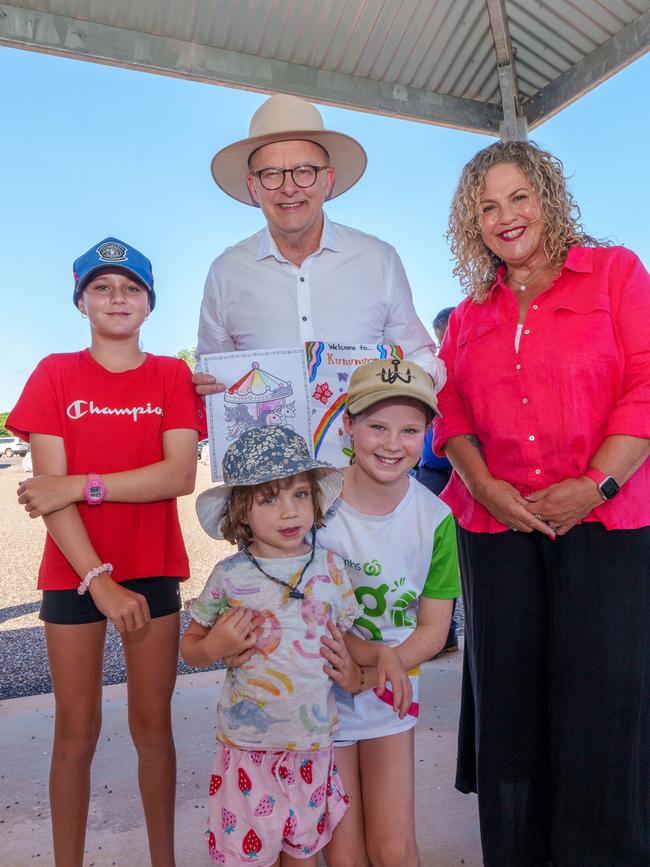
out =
column 287, row 118
column 262, row 455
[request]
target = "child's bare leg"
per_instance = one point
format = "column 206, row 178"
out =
column 151, row 655
column 347, row 847
column 287, row 861
column 388, row 800
column 76, row 654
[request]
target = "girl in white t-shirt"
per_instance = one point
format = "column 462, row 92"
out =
column 399, row 545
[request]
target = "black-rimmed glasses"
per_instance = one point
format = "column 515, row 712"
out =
column 303, row 176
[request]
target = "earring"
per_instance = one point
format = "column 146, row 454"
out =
column 353, row 456
column 84, row 316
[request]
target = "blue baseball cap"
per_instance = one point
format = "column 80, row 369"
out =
column 115, row 254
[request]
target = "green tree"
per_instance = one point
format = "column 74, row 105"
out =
column 3, row 430
column 188, row 357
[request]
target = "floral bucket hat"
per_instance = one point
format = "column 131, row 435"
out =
column 263, row 455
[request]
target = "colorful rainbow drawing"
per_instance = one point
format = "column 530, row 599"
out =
column 314, row 350
column 395, row 351
column 327, row 420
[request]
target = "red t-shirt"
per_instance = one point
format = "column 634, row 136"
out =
column 112, row 422
column 582, row 373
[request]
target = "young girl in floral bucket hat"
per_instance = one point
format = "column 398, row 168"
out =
column 275, row 792
column 399, row 542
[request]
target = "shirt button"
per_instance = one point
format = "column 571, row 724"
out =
column 531, row 438
column 304, row 318
column 302, row 279
column 517, row 366
column 525, row 400
column 527, row 331
column 538, row 472
column 535, row 307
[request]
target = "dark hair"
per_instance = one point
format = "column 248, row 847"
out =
column 443, row 317
column 233, row 518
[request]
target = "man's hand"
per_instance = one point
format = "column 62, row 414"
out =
column 205, row 384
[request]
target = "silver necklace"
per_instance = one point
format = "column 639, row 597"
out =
column 522, row 286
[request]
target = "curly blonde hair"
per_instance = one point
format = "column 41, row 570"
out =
column 476, row 264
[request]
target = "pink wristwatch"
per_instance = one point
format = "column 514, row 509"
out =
column 94, row 492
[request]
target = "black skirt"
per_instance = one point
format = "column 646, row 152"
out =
column 555, row 718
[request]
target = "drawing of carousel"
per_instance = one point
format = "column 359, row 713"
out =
column 257, row 399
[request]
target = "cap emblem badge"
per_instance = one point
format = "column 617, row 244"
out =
column 391, row 376
column 112, row 252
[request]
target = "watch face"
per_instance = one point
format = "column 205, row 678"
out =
column 95, row 492
column 609, row 488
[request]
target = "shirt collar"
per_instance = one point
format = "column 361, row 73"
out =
column 329, row 240
column 580, row 259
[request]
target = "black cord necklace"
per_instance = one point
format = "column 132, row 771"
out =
column 294, row 593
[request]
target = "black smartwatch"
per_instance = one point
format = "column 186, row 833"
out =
column 607, row 485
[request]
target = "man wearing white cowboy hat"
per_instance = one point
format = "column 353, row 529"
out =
column 303, row 277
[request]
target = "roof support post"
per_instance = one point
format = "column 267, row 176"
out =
column 514, row 125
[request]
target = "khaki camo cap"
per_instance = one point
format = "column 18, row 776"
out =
column 287, row 118
column 389, row 378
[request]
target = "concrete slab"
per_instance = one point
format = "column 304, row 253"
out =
column 446, row 820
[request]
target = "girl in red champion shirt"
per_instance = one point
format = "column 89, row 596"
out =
column 113, row 433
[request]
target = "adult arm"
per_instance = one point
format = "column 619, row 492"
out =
column 127, row 610
column 172, row 477
column 404, row 327
column 213, row 335
column 627, row 442
column 500, row 498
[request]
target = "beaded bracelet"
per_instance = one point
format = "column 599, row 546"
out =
column 85, row 584
column 362, row 679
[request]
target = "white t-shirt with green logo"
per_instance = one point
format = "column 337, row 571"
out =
column 392, row 560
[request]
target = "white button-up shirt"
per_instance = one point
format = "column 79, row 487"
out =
column 353, row 289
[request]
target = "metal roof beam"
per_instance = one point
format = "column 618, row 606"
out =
column 610, row 57
column 84, row 40
column 514, row 126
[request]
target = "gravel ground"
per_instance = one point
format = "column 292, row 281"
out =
column 23, row 659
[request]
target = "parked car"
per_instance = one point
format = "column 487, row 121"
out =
column 203, row 444
column 10, row 446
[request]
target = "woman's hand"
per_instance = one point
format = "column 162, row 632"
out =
column 126, row 610
column 390, row 668
column 340, row 665
column 507, row 505
column 565, row 504
column 45, row 494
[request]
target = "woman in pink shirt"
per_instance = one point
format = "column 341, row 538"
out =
column 546, row 420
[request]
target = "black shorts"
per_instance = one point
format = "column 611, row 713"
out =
column 163, row 596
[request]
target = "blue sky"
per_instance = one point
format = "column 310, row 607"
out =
column 89, row 151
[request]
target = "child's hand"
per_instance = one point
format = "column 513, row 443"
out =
column 126, row 609
column 389, row 667
column 232, row 634
column 341, row 668
column 45, row 494
column 236, row 660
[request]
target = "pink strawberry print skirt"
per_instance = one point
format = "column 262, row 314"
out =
column 263, row 803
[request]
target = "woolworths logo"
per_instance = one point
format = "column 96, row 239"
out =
column 372, row 568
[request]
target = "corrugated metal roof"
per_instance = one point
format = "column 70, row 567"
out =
column 434, row 60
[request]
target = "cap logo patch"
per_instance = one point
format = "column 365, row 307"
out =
column 112, row 252
column 391, row 376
